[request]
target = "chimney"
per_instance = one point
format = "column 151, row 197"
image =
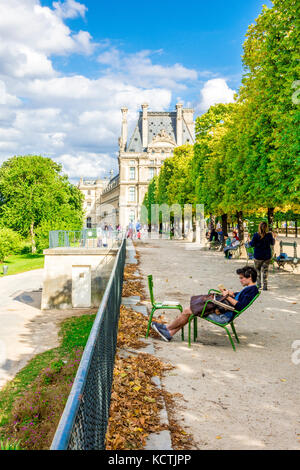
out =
column 188, row 117
column 145, row 125
column 179, row 127
column 124, row 133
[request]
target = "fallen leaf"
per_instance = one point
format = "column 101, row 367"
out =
column 218, row 437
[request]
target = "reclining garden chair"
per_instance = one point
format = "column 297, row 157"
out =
column 167, row 304
column 227, row 307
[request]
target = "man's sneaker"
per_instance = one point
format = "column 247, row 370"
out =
column 162, row 330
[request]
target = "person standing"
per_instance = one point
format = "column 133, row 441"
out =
column 262, row 241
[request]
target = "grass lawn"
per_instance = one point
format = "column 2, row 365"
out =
column 22, row 263
column 31, row 404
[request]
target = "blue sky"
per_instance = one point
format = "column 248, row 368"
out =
column 198, row 34
column 64, row 79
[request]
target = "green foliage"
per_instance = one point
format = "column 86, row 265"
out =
column 151, row 196
column 10, row 445
column 33, row 192
column 10, row 242
column 247, row 154
column 208, row 169
column 174, row 183
column 74, row 332
column 32, row 403
column 271, row 59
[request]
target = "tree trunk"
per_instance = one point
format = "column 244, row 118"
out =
column 270, row 217
column 194, row 227
column 212, row 221
column 32, row 234
column 296, row 228
column 224, row 225
column 286, row 228
column 240, row 224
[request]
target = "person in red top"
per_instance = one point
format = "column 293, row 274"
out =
column 234, row 243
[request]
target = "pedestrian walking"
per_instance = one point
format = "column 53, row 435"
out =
column 262, row 241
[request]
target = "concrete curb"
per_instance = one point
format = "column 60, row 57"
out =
column 161, row 440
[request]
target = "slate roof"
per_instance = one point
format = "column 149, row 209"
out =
column 156, row 122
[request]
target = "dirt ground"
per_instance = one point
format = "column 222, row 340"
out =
column 248, row 399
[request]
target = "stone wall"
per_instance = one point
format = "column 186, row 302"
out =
column 57, row 284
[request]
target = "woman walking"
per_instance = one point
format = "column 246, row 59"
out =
column 262, row 242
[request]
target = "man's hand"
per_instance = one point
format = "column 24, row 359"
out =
column 227, row 292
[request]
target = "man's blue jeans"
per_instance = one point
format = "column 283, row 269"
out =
column 222, row 318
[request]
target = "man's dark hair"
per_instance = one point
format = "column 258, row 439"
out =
column 248, row 271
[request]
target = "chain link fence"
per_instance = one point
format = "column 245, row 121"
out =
column 84, row 421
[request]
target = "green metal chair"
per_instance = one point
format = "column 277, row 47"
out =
column 250, row 253
column 167, row 304
column 224, row 326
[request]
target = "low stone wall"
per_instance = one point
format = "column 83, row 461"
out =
column 57, row 283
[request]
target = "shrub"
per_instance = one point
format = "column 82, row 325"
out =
column 10, row 243
column 36, row 414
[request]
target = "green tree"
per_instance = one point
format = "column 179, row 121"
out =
column 32, row 192
column 10, row 243
column 151, row 196
column 271, row 60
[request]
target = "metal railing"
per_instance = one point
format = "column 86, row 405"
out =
column 84, row 421
column 87, row 238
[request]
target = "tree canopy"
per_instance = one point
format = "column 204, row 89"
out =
column 33, row 191
column 246, row 157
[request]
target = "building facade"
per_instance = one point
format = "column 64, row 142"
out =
column 92, row 191
column 154, row 138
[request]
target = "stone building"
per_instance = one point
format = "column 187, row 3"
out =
column 92, row 191
column 154, row 138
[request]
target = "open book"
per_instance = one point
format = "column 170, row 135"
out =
column 221, row 304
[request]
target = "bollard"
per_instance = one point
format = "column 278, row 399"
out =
column 5, row 268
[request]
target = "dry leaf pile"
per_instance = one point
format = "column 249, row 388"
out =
column 133, row 288
column 132, row 328
column 136, row 401
column 181, row 440
column 132, row 283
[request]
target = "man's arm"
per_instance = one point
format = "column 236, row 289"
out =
column 230, row 297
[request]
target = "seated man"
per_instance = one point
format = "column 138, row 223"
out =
column 238, row 300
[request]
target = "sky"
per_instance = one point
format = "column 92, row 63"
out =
column 68, row 66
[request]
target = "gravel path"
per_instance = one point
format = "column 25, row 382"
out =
column 248, row 399
column 25, row 330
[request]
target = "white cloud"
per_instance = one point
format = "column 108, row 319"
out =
column 88, row 165
column 30, row 34
column 6, row 98
column 139, row 68
column 74, row 119
column 215, row 91
column 70, row 9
